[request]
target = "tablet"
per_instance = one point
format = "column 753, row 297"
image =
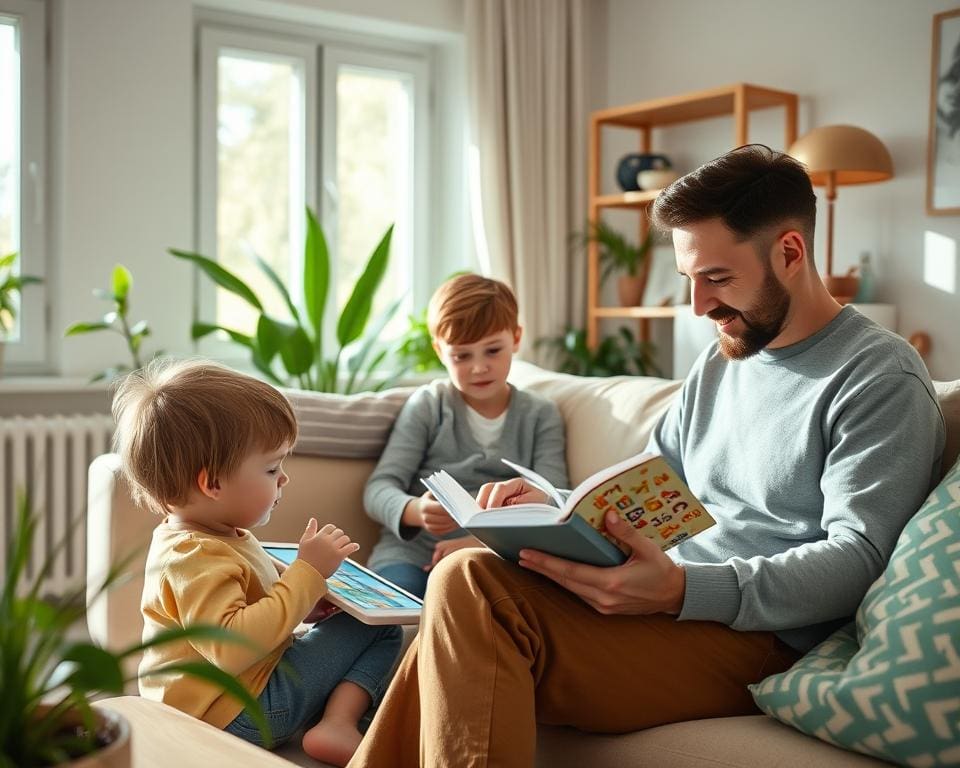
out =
column 359, row 591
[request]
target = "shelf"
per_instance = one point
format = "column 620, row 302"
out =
column 626, row 199
column 715, row 102
column 643, row 313
column 737, row 101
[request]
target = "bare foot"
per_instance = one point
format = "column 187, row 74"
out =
column 332, row 742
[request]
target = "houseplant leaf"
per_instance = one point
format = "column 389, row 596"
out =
column 356, row 312
column 316, row 278
column 222, row 277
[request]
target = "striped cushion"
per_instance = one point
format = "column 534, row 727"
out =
column 890, row 686
column 345, row 426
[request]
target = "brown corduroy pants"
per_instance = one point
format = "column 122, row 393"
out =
column 501, row 649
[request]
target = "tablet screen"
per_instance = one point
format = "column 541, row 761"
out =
column 353, row 583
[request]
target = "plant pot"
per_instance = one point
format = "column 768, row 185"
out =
column 115, row 754
column 842, row 287
column 630, row 289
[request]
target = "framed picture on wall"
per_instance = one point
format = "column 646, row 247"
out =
column 943, row 145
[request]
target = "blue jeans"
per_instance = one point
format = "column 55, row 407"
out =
column 407, row 576
column 337, row 649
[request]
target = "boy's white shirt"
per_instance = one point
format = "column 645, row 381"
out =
column 485, row 431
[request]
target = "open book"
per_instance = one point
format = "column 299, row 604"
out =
column 643, row 490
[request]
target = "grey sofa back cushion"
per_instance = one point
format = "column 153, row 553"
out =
column 345, row 426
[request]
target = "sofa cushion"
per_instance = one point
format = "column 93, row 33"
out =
column 607, row 419
column 889, row 685
column 345, row 426
column 948, row 393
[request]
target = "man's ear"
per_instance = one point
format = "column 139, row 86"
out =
column 791, row 251
column 209, row 486
column 517, row 335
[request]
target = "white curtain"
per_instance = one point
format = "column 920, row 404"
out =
column 526, row 74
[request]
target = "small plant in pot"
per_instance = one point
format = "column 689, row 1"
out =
column 621, row 354
column 49, row 680
column 618, row 254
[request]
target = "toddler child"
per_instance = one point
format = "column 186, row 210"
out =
column 464, row 424
column 204, row 446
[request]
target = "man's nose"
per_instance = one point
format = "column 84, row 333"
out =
column 702, row 299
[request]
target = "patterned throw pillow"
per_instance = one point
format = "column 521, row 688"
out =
column 890, row 687
column 345, row 426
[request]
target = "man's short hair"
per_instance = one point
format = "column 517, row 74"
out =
column 469, row 307
column 175, row 418
column 751, row 189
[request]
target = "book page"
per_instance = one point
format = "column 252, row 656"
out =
column 651, row 497
column 463, row 508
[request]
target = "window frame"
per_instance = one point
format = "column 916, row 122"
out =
column 30, row 353
column 321, row 50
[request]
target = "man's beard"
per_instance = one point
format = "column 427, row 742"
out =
column 764, row 321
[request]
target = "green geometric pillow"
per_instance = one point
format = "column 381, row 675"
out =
column 892, row 689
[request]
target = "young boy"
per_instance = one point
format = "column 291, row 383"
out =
column 204, row 446
column 464, row 425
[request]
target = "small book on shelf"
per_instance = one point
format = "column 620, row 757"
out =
column 644, row 490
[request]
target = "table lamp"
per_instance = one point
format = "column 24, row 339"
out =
column 839, row 155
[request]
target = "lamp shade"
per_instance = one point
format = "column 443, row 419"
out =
column 851, row 154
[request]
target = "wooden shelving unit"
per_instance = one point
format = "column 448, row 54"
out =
column 737, row 100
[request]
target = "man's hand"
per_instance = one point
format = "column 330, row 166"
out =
column 509, row 493
column 443, row 548
column 325, row 549
column 649, row 582
column 426, row 512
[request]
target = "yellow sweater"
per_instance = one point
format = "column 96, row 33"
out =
column 199, row 578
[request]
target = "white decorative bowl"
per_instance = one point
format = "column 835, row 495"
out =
column 657, row 179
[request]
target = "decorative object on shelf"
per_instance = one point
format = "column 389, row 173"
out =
column 840, row 155
column 943, row 143
column 618, row 253
column 619, row 355
column 921, row 342
column 631, row 165
column 865, row 291
column 657, row 178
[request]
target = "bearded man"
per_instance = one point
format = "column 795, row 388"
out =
column 810, row 433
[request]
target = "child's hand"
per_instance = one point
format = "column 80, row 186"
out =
column 325, row 549
column 435, row 518
column 443, row 548
column 508, row 493
column 322, row 610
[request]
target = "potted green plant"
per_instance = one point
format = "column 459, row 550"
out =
column 618, row 254
column 49, row 680
column 11, row 287
column 116, row 321
column 298, row 341
column 619, row 355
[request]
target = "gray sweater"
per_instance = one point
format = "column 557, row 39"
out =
column 811, row 458
column 432, row 433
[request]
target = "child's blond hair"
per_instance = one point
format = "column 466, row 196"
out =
column 175, row 418
column 468, row 307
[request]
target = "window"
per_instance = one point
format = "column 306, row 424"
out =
column 342, row 128
column 22, row 140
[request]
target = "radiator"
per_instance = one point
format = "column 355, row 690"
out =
column 48, row 456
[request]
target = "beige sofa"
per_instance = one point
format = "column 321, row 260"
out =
column 606, row 420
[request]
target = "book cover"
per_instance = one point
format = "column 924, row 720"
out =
column 644, row 490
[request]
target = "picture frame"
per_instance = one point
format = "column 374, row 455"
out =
column 943, row 144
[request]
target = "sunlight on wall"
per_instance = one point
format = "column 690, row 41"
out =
column 940, row 261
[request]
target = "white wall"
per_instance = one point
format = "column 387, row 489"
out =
column 864, row 62
column 122, row 175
